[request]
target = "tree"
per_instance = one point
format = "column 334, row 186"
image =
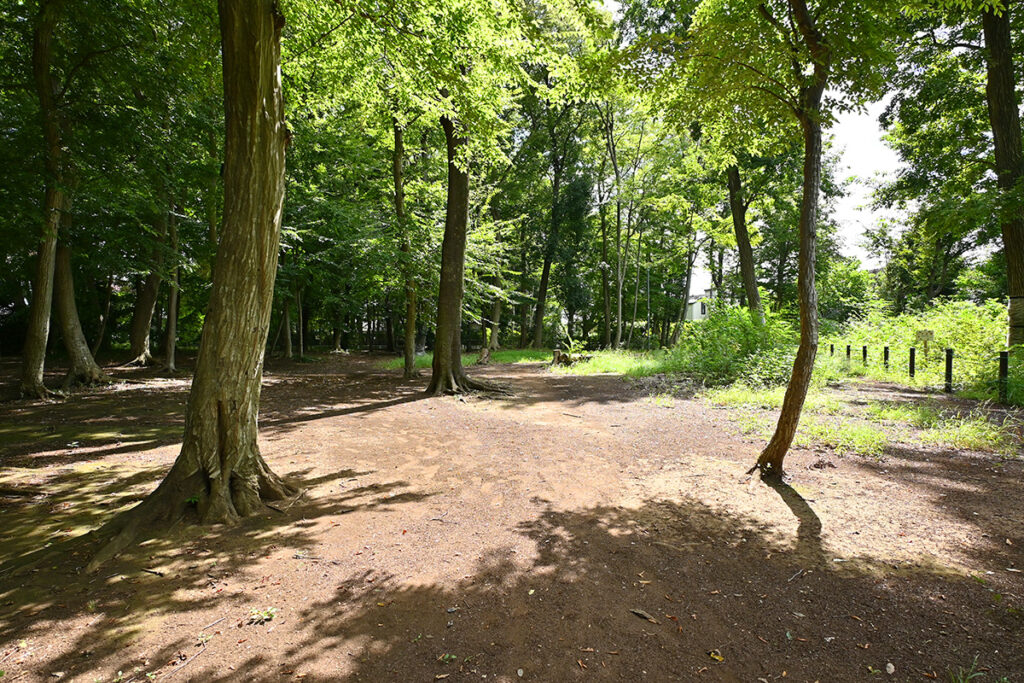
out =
column 769, row 61
column 220, row 465
column 54, row 201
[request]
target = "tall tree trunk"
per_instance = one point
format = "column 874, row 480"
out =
column 146, row 301
column 636, row 288
column 494, row 342
column 448, row 375
column 606, row 293
column 38, row 331
column 1004, row 116
column 288, row 353
column 691, row 258
column 738, row 207
column 549, row 251
column 104, row 316
column 809, row 114
column 171, row 345
column 220, row 462
column 84, row 369
column 409, row 339
column 299, row 326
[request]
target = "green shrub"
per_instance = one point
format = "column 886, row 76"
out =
column 729, row 344
column 975, row 332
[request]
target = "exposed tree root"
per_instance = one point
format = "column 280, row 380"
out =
column 85, row 377
column 243, row 495
column 36, row 391
column 144, row 359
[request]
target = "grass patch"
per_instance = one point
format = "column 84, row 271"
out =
column 510, row 356
column 843, row 437
column 770, row 398
column 629, row 363
column 920, row 416
column 972, row 432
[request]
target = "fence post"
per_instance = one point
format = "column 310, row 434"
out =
column 864, row 355
column 847, row 353
column 913, row 353
column 831, row 349
column 885, row 357
column 1004, row 375
column 949, row 370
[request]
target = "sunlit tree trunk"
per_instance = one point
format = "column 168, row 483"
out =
column 809, row 114
column 38, row 330
column 448, row 375
column 738, row 207
column 171, row 344
column 409, row 339
column 84, row 369
column 1004, row 116
column 220, row 465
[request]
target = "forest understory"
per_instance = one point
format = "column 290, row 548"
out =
column 578, row 528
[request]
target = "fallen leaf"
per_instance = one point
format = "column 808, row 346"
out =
column 716, row 655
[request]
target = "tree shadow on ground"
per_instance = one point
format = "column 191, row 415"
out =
column 179, row 572
column 669, row 591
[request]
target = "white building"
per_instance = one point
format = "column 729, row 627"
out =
column 699, row 305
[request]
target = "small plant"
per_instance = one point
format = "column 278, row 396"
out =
column 447, row 658
column 193, row 500
column 962, row 675
column 204, row 638
column 262, row 616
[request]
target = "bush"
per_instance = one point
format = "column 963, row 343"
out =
column 729, row 345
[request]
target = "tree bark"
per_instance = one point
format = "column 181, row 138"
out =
column 738, row 207
column 809, row 114
column 448, row 375
column 409, row 338
column 84, row 369
column 171, row 344
column 606, row 294
column 145, row 302
column 220, row 463
column 494, row 342
column 288, row 329
column 1004, row 116
column 38, row 330
column 299, row 326
column 104, row 316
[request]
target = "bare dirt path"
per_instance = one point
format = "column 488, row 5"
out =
column 471, row 539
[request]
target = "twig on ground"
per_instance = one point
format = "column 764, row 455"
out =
column 187, row 662
column 213, row 624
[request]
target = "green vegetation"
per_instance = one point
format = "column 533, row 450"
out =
column 975, row 332
column 727, row 345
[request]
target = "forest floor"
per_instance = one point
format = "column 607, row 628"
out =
column 578, row 529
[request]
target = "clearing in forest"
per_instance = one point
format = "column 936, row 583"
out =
column 577, row 529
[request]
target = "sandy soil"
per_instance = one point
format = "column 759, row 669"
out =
column 574, row 530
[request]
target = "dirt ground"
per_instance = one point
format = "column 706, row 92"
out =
column 575, row 530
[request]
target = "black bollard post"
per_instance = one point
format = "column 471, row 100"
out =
column 864, row 355
column 949, row 371
column 1004, row 375
column 885, row 357
column 913, row 353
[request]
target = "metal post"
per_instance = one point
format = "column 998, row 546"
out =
column 1004, row 375
column 949, row 370
column 831, row 349
column 864, row 355
column 913, row 354
column 885, row 357
column 847, row 353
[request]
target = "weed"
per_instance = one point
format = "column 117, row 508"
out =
column 262, row 616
